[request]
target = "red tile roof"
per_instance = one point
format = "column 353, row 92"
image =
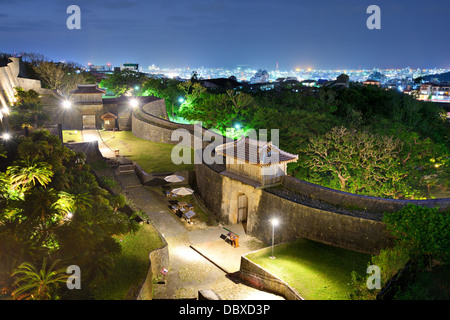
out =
column 87, row 88
column 255, row 152
column 108, row 115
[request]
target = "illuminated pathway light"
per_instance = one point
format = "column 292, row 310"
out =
column 134, row 103
column 6, row 136
column 67, row 104
column 274, row 222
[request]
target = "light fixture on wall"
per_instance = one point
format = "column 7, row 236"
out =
column 275, row 223
column 134, row 103
column 67, row 104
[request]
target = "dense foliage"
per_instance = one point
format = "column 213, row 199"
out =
column 426, row 230
column 421, row 237
column 362, row 139
column 62, row 76
column 27, row 111
column 51, row 207
column 122, row 82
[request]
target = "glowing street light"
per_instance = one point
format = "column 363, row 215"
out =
column 67, row 104
column 181, row 100
column 6, row 136
column 5, row 110
column 237, row 126
column 134, row 103
column 274, row 222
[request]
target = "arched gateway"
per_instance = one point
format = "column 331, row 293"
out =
column 251, row 164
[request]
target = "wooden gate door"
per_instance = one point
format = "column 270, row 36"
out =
column 242, row 208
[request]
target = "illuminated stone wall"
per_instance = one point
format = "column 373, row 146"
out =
column 13, row 75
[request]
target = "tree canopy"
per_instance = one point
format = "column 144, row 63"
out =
column 52, row 207
column 398, row 146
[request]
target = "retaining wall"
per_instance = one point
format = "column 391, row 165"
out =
column 260, row 278
column 296, row 220
column 346, row 199
column 157, row 129
column 159, row 258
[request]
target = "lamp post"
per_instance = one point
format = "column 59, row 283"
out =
column 67, row 104
column 134, row 103
column 274, row 222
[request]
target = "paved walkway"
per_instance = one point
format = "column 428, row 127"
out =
column 198, row 258
column 94, row 135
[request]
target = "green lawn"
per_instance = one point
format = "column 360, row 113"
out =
column 317, row 271
column 72, row 136
column 131, row 266
column 153, row 157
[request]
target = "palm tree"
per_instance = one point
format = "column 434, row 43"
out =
column 34, row 284
column 28, row 172
column 82, row 201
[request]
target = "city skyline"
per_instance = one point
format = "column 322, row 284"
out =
column 217, row 34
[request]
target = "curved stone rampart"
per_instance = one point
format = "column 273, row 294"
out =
column 157, row 129
column 355, row 232
column 356, row 201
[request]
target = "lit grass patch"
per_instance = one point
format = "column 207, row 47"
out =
column 131, row 266
column 72, row 136
column 153, row 157
column 317, row 271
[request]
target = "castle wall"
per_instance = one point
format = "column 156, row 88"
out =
column 219, row 193
column 13, row 75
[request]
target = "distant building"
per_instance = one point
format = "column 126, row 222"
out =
column 342, row 81
column 371, row 82
column 309, row 83
column 434, row 92
column 261, row 76
column 130, row 66
column 221, row 83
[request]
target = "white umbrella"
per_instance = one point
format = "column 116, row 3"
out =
column 182, row 191
column 174, row 178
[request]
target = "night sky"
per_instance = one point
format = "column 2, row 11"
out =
column 327, row 34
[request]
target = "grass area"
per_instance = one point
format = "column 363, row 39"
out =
column 72, row 136
column 317, row 271
column 153, row 157
column 131, row 266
